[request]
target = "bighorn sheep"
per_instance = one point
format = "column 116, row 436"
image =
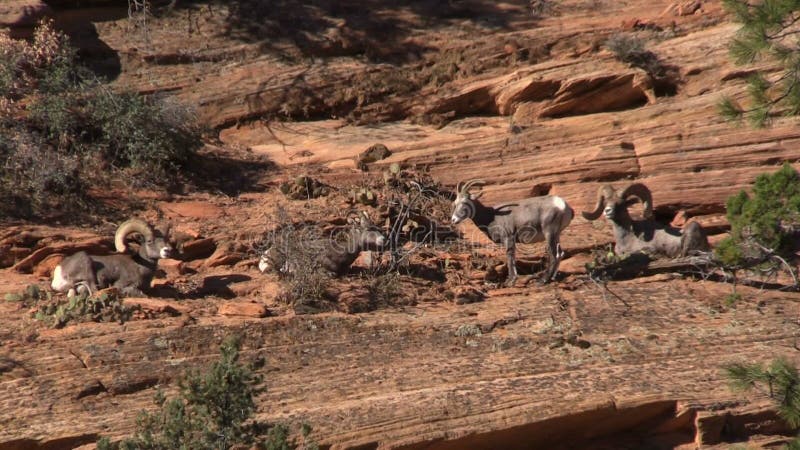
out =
column 646, row 235
column 335, row 255
column 130, row 273
column 534, row 219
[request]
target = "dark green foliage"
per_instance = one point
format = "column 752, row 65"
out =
column 779, row 380
column 767, row 220
column 214, row 410
column 143, row 133
column 103, row 307
column 767, row 32
column 62, row 130
column 209, row 413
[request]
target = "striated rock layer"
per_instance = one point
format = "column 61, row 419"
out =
column 486, row 91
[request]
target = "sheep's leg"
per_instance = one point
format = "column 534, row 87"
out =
column 554, row 255
column 694, row 240
column 511, row 261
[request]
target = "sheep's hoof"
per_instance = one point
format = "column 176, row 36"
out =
column 545, row 279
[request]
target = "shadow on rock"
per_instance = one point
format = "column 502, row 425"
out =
column 218, row 285
column 230, row 174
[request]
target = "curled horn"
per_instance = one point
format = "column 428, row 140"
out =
column 641, row 192
column 128, row 227
column 465, row 189
column 605, row 193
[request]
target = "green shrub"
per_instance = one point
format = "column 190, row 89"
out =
column 62, row 129
column 767, row 221
column 213, row 410
column 103, row 307
column 144, row 133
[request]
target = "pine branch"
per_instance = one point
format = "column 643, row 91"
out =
column 730, row 110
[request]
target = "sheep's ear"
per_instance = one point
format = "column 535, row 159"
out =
column 351, row 221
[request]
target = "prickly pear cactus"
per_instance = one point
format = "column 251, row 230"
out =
column 303, row 188
column 365, row 196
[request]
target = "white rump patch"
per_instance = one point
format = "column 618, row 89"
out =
column 559, row 203
column 59, row 284
column 263, row 265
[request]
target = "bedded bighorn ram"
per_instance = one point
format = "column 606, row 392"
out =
column 534, row 219
column 648, row 236
column 335, row 255
column 131, row 273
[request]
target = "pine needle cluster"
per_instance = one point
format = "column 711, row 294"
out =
column 769, row 31
column 779, row 380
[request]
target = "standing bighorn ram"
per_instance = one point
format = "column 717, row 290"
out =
column 534, row 219
column 130, row 273
column 646, row 235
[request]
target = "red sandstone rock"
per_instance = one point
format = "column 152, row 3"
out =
column 197, row 248
column 20, row 16
column 245, row 309
column 223, row 256
column 192, row 209
column 158, row 305
column 45, row 268
column 173, row 267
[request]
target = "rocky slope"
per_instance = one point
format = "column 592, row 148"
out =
column 467, row 89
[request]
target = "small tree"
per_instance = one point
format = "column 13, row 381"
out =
column 769, row 31
column 213, row 411
column 766, row 222
column 779, row 380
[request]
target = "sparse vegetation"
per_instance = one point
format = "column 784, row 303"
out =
column 732, row 299
column 768, row 32
column 295, row 250
column 779, row 381
column 64, row 130
column 304, row 188
column 383, row 288
column 631, row 49
column 105, row 306
column 213, row 410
